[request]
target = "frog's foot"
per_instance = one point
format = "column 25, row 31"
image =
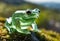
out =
column 30, row 28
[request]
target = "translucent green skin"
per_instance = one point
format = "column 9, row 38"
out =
column 21, row 21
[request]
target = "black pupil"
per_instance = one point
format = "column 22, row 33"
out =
column 39, row 11
column 28, row 12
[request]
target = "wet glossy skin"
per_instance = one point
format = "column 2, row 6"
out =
column 21, row 20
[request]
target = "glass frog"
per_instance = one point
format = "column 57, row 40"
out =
column 23, row 21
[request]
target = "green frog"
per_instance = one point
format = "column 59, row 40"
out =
column 23, row 21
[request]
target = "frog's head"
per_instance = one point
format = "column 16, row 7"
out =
column 34, row 13
column 30, row 13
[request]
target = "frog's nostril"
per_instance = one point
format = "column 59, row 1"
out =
column 28, row 12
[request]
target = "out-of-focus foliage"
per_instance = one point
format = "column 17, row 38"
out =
column 50, row 35
column 46, row 14
column 8, row 10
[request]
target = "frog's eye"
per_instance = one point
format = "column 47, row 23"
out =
column 39, row 11
column 28, row 12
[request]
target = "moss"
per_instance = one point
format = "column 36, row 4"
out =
column 44, row 35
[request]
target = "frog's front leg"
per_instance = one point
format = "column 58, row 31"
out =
column 33, row 34
column 34, row 27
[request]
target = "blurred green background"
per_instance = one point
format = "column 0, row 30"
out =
column 49, row 16
column 48, row 20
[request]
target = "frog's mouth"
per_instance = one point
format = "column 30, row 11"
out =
column 31, row 16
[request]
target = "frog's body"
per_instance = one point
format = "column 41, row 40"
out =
column 22, row 20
